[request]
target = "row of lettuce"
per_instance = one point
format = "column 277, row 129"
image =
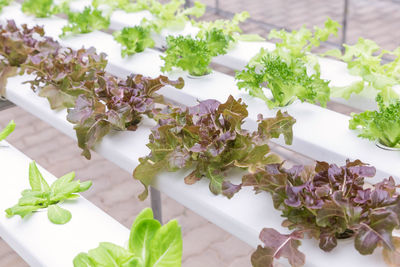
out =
column 325, row 201
column 290, row 71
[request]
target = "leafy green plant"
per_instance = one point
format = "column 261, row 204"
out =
column 229, row 27
column 172, row 15
column 286, row 80
column 150, row 244
column 41, row 196
column 364, row 59
column 289, row 71
column 4, row 3
column 327, row 202
column 90, row 19
column 382, row 125
column 195, row 54
column 43, row 8
column 7, row 130
column 134, row 39
column 208, row 137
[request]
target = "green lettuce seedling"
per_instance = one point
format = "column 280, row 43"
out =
column 364, row 59
column 4, row 3
column 382, row 125
column 150, row 244
column 134, row 39
column 90, row 19
column 44, row 8
column 290, row 71
column 195, row 54
column 41, row 196
column 7, row 130
column 229, row 27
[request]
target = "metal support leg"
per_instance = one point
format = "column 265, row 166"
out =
column 155, row 200
column 344, row 23
column 217, row 6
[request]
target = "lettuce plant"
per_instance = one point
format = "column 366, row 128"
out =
column 7, row 130
column 15, row 47
column 150, row 244
column 364, row 59
column 173, row 15
column 289, row 71
column 41, row 196
column 286, row 80
column 229, row 27
column 195, row 54
column 4, row 3
column 134, row 39
column 382, row 125
column 208, row 138
column 114, row 104
column 43, row 8
column 62, row 74
column 90, row 19
column 327, row 202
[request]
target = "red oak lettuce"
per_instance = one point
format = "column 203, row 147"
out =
column 209, row 138
column 329, row 202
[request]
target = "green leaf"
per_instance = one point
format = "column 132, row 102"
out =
column 140, row 238
column 166, row 246
column 4, row 3
column 146, row 213
column 228, row 27
column 111, row 255
column 36, row 179
column 216, row 180
column 83, row 260
column 21, row 210
column 58, row 215
column 61, row 182
column 90, row 19
column 346, row 91
column 7, row 130
column 40, row 8
column 84, row 186
column 281, row 124
column 57, row 98
column 134, row 40
column 146, row 171
column 382, row 125
column 195, row 54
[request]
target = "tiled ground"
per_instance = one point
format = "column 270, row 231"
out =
column 114, row 190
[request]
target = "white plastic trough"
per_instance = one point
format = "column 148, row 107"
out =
column 38, row 241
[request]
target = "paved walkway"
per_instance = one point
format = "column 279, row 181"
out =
column 115, row 191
